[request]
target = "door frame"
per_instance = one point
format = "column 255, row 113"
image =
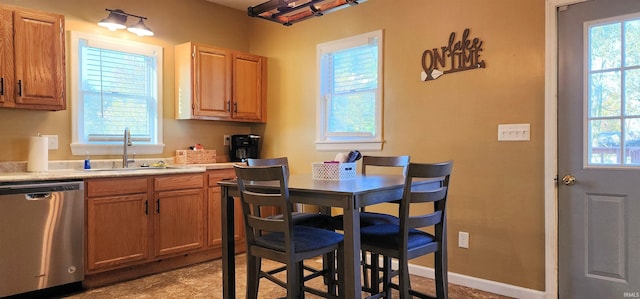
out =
column 551, row 145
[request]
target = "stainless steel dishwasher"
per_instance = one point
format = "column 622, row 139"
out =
column 41, row 235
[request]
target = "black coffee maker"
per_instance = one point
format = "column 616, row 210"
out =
column 243, row 147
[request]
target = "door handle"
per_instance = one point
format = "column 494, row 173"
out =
column 568, row 180
column 19, row 88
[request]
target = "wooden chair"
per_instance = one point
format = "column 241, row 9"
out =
column 278, row 239
column 372, row 218
column 370, row 282
column 299, row 217
column 408, row 240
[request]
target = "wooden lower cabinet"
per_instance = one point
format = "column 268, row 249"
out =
column 214, row 235
column 137, row 226
column 179, row 221
column 117, row 224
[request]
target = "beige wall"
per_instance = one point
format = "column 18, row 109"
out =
column 173, row 22
column 497, row 188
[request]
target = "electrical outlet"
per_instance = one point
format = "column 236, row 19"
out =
column 463, row 239
column 52, row 141
column 227, row 139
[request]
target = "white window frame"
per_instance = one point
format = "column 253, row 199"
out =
column 81, row 147
column 587, row 95
column 334, row 142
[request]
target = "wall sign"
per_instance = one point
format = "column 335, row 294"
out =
column 456, row 56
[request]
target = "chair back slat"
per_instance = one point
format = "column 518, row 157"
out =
column 270, row 162
column 388, row 161
column 425, row 220
column 429, row 195
column 255, row 198
column 435, row 170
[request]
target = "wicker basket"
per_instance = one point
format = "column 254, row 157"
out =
column 195, row 157
column 333, row 171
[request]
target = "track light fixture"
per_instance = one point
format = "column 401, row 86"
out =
column 117, row 19
column 287, row 12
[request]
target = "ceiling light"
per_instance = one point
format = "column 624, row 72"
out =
column 117, row 19
column 287, row 12
column 140, row 29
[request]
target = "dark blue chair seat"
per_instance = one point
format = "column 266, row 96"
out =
column 366, row 219
column 388, row 236
column 304, row 239
column 308, row 219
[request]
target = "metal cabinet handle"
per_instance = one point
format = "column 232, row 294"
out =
column 146, row 207
column 158, row 205
column 19, row 88
column 235, row 107
column 228, row 106
column 1, row 86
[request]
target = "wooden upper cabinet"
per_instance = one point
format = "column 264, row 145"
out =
column 219, row 84
column 32, row 53
column 6, row 57
column 249, row 87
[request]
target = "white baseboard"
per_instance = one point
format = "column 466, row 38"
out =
column 479, row 283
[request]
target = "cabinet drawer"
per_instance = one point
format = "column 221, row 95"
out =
column 176, row 182
column 120, row 186
column 217, row 175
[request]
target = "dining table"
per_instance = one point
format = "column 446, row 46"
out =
column 349, row 194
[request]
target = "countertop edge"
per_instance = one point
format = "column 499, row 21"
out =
column 80, row 174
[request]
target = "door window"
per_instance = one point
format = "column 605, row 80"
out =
column 613, row 91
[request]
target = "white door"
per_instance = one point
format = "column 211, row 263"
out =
column 599, row 147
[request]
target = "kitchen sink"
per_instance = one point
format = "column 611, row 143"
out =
column 130, row 168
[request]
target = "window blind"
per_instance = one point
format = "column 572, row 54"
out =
column 351, row 86
column 117, row 91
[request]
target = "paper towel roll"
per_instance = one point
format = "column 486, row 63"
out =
column 38, row 154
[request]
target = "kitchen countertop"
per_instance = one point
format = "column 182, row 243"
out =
column 16, row 171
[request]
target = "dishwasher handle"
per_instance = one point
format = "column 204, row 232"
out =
column 38, row 196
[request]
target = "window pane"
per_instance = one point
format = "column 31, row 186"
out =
column 355, row 69
column 605, row 141
column 604, row 94
column 632, row 43
column 109, row 114
column 605, row 44
column 113, row 71
column 632, row 92
column 632, row 141
column 353, row 112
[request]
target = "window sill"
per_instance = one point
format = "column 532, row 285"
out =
column 80, row 149
column 349, row 145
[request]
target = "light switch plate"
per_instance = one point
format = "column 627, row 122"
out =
column 514, row 132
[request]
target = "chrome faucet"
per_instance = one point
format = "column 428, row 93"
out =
column 126, row 143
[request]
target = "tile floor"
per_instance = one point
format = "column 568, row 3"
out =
column 205, row 281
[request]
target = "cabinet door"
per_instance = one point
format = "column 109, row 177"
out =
column 249, row 87
column 6, row 56
column 179, row 223
column 214, row 238
column 212, row 82
column 117, row 231
column 39, row 60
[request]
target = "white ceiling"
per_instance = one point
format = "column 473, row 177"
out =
column 238, row 4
